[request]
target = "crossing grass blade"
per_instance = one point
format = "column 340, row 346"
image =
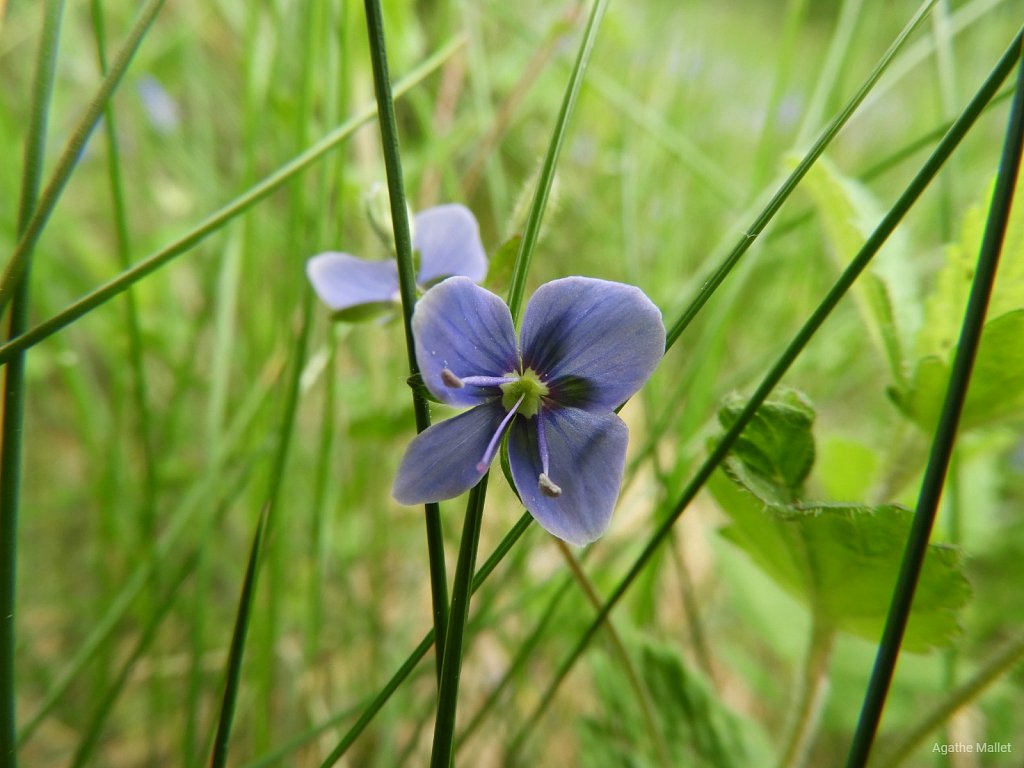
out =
column 233, row 668
column 945, row 434
column 12, row 430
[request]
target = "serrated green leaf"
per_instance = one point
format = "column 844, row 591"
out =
column 944, row 308
column 886, row 296
column 775, row 453
column 842, row 561
column 997, row 383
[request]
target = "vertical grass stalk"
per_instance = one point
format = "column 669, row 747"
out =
column 407, row 288
column 14, row 383
column 945, row 434
column 234, row 666
column 448, row 694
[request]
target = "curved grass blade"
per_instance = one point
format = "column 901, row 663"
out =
column 407, row 289
column 18, row 263
column 220, row 217
column 889, row 222
column 234, row 666
column 945, row 433
column 531, row 231
column 14, row 384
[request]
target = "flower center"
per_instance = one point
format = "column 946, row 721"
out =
column 527, row 386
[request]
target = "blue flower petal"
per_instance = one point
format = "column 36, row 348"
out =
column 448, row 239
column 344, row 282
column 587, row 455
column 441, row 462
column 594, row 342
column 468, row 330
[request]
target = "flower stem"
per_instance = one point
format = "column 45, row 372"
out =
column 14, row 384
column 945, row 433
column 632, row 674
column 448, row 695
column 811, row 701
column 407, row 289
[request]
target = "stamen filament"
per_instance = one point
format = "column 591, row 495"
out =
column 485, row 381
column 547, row 487
column 492, row 447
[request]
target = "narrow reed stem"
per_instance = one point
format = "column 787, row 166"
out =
column 12, row 430
column 407, row 289
column 448, row 694
column 945, row 433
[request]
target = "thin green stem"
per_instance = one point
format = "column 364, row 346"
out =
column 857, row 265
column 407, row 289
column 28, row 235
column 810, row 702
column 517, row 288
column 945, row 433
column 220, row 217
column 1002, row 662
column 448, row 693
column 11, row 436
column 643, row 696
column 234, row 666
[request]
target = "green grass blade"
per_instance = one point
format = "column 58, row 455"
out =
column 14, row 385
column 1001, row 663
column 945, row 434
column 233, row 672
column 889, row 222
column 72, row 152
column 448, row 693
column 407, row 287
column 222, row 216
column 517, row 289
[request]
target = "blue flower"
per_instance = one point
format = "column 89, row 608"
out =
column 586, row 346
column 448, row 241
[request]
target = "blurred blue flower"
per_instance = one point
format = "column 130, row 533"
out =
column 160, row 106
column 586, row 346
column 447, row 238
